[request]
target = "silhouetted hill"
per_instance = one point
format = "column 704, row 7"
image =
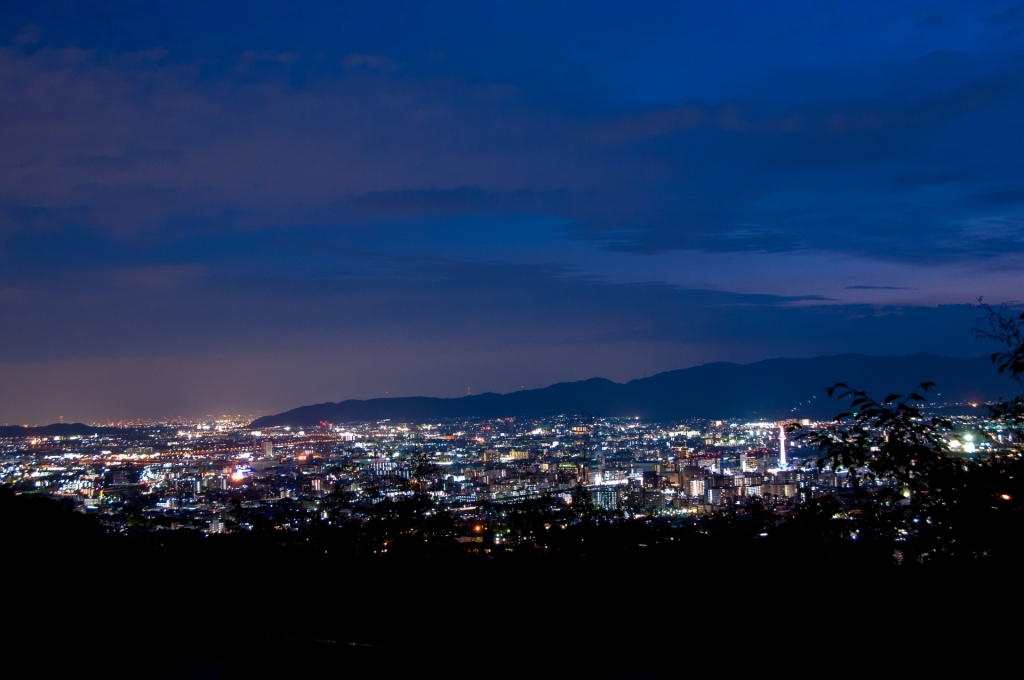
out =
column 775, row 388
column 57, row 430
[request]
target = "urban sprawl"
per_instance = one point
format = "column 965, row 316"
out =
column 198, row 475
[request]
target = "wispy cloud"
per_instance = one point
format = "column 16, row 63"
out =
column 380, row 62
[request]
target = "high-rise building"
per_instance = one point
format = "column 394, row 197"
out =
column 782, row 446
column 268, row 448
column 605, row 497
column 696, row 487
column 748, row 462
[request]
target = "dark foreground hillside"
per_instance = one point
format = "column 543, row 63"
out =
column 637, row 600
column 777, row 388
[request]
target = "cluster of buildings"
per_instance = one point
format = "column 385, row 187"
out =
column 196, row 475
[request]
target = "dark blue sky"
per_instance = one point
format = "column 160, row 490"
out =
column 212, row 208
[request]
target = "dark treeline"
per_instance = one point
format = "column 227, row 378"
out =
column 604, row 596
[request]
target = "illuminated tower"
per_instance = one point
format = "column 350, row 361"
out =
column 782, row 446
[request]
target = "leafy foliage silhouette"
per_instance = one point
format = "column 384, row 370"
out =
column 949, row 505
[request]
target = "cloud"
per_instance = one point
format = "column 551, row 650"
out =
column 163, row 277
column 15, row 295
column 123, row 144
column 252, row 57
column 29, row 34
column 246, row 304
column 457, row 200
column 380, row 62
column 1011, row 15
column 1000, row 198
column 152, row 54
column 934, row 20
column 132, row 157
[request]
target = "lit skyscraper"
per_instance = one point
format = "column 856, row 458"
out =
column 782, row 446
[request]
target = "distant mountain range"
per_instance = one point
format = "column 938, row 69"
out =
column 772, row 389
column 57, row 430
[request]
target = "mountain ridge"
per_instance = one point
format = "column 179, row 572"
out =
column 768, row 389
column 58, row 430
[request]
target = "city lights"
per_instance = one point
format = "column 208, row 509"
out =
column 178, row 479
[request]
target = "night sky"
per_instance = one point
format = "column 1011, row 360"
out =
column 213, row 208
